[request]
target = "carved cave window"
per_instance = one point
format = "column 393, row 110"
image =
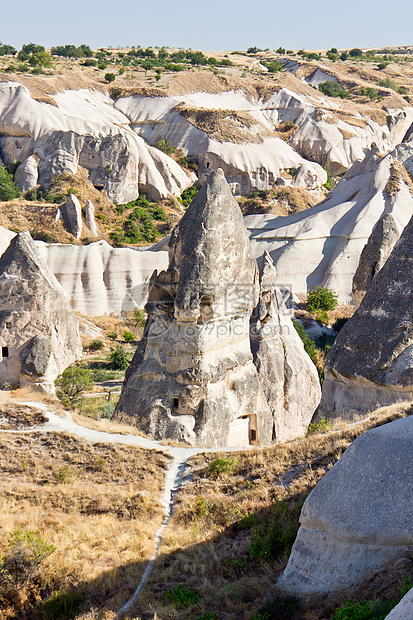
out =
column 4, row 352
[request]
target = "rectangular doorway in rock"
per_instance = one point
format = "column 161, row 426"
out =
column 5, row 352
column 243, row 431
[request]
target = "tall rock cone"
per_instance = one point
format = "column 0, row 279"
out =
column 38, row 330
column 287, row 374
column 195, row 380
column 371, row 362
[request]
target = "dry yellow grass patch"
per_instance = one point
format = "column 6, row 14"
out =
column 98, row 504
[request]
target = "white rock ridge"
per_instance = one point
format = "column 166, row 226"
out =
column 85, row 128
column 323, row 245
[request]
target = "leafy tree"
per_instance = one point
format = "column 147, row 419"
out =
column 274, row 66
column 280, row 50
column 7, row 50
column 72, row 382
column 321, row 298
column 356, row 52
column 333, row 89
column 40, row 59
column 344, row 56
column 118, row 358
column 8, row 190
column 110, row 77
column 22, row 558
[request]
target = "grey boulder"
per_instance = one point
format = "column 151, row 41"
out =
column 358, row 517
column 27, row 174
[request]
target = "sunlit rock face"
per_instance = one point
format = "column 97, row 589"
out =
column 195, row 380
column 371, row 362
column 287, row 375
column 39, row 335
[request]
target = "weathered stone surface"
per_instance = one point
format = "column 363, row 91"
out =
column 90, row 217
column 197, row 381
column 72, row 215
column 375, row 253
column 288, row 376
column 404, row 610
column 371, row 362
column 26, row 174
column 358, row 517
column 38, row 330
column 35, row 357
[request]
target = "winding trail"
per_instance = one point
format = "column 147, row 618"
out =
column 173, row 478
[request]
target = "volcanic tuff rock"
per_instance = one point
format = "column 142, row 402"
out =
column 288, row 376
column 90, row 217
column 72, row 215
column 371, row 362
column 358, row 517
column 83, row 127
column 38, row 330
column 323, row 244
column 374, row 255
column 197, row 381
column 404, row 610
column 26, row 174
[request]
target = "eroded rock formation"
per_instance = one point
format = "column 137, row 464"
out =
column 371, row 362
column 374, row 255
column 197, row 381
column 288, row 376
column 358, row 517
column 38, row 331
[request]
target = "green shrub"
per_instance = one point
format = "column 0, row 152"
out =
column 112, row 335
column 273, row 540
column 321, row 298
column 165, row 147
column 333, row 89
column 223, row 465
column 21, row 559
column 366, row 610
column 8, row 190
column 329, row 184
column 128, row 336
column 139, row 317
column 322, row 426
column 309, row 344
column 110, row 77
column 356, row 52
column 322, row 316
column 183, row 597
column 388, row 83
column 118, row 358
column 188, row 195
column 61, row 606
column 96, row 345
column 72, row 382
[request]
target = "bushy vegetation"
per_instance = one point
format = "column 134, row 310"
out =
column 138, row 226
column 322, row 426
column 376, row 609
column 72, row 51
column 321, row 298
column 72, row 383
column 182, row 597
column 333, row 89
column 21, row 559
column 274, row 539
column 7, row 50
column 188, row 195
column 223, row 465
column 8, row 190
column 118, row 358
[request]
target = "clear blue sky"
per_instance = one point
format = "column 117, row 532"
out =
column 209, row 24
